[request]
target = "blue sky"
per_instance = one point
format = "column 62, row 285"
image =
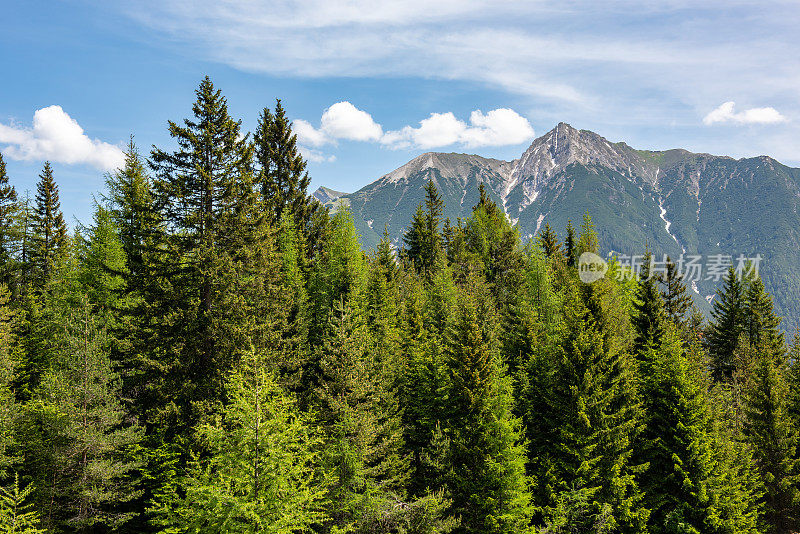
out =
column 373, row 83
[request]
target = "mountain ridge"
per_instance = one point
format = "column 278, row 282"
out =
column 672, row 201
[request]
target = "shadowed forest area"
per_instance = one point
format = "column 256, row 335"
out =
column 216, row 353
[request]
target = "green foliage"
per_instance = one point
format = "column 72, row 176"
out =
column 16, row 515
column 728, row 323
column 49, row 232
column 259, row 475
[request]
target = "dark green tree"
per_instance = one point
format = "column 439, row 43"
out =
column 423, row 240
column 485, row 465
column 280, row 173
column 549, row 242
column 571, row 246
column 727, row 325
column 49, row 235
column 9, row 238
column 649, row 317
column 677, row 301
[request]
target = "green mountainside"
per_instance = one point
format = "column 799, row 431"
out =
column 671, row 201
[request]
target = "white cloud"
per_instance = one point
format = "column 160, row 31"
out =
column 315, row 156
column 725, row 113
column 340, row 121
column 345, row 121
column 496, row 128
column 57, row 137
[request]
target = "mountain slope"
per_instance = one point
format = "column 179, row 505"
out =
column 671, row 201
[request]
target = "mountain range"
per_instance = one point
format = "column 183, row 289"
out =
column 672, row 202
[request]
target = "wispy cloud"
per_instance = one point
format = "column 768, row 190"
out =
column 726, row 113
column 498, row 127
column 57, row 137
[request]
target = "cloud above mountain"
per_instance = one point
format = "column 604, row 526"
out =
column 57, row 137
column 344, row 121
column 726, row 113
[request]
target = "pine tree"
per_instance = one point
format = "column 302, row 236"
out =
column 727, row 324
column 49, row 237
column 677, row 301
column 283, row 180
column 8, row 228
column 8, row 406
column 485, row 474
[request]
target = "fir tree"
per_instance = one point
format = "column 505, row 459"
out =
column 8, row 227
column 727, row 324
column 771, row 432
column 762, row 326
column 571, row 247
column 283, row 180
column 677, row 301
column 485, row 474
column 49, row 236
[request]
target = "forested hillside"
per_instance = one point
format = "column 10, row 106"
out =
column 216, row 353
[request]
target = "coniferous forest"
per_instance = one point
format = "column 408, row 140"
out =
column 215, row 352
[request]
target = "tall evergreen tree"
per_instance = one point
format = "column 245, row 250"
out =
column 485, row 473
column 727, row 325
column 762, row 326
column 8, row 228
column 283, row 180
column 423, row 240
column 200, row 187
column 49, row 235
column 649, row 318
column 549, row 242
column 677, row 301
column 571, row 246
column 774, row 438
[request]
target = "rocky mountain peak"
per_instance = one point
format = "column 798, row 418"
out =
column 564, row 145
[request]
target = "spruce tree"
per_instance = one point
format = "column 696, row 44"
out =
column 77, row 439
column 589, row 418
column 677, row 301
column 649, row 318
column 423, row 240
column 727, row 324
column 281, row 175
column 774, row 438
column 260, row 474
column 549, row 242
column 17, row 515
column 49, row 236
column 761, row 324
column 485, row 465
column 8, row 228
column 199, row 189
column 570, row 246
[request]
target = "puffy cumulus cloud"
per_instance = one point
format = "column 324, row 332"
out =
column 315, row 156
column 340, row 121
column 57, row 137
column 498, row 127
column 343, row 120
column 726, row 113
